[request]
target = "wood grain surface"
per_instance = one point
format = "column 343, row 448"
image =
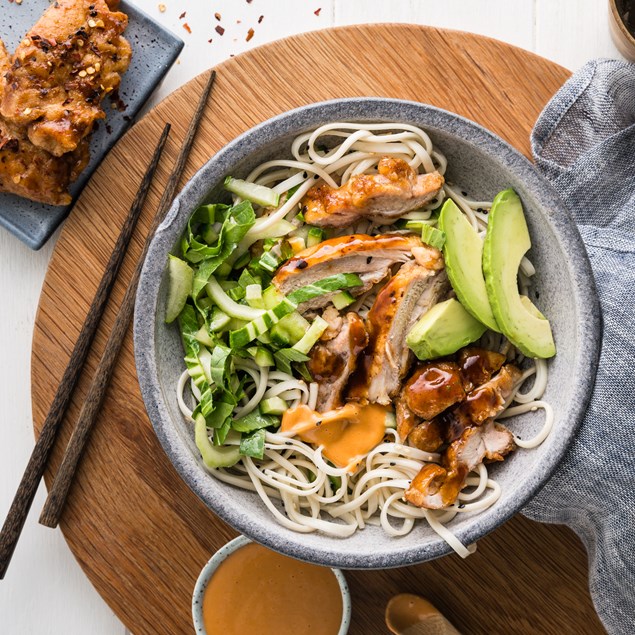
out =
column 137, row 530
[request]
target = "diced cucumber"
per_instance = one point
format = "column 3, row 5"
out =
column 311, row 336
column 270, row 261
column 253, row 295
column 289, row 330
column 297, row 243
column 342, row 299
column 241, row 337
column 236, row 293
column 218, row 320
column 222, row 456
column 271, row 297
column 314, row 237
column 258, row 194
column 180, row 278
column 273, row 406
column 433, row 236
column 264, row 357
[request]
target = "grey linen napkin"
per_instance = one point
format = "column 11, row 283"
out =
column 584, row 143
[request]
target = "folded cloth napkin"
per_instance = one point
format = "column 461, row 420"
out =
column 584, row 143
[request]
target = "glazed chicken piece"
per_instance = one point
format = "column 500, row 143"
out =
column 433, row 388
column 438, row 486
column 371, row 257
column 31, row 172
column 411, row 292
column 69, row 61
column 478, row 365
column 381, row 198
column 333, row 361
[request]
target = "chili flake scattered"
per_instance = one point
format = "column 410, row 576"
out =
column 186, row 26
column 217, row 16
column 261, row 18
column 219, row 29
column 182, row 15
column 317, row 11
column 250, row 34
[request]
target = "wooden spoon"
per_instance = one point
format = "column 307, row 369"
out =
column 408, row 614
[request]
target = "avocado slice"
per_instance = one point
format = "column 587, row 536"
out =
column 506, row 242
column 462, row 252
column 443, row 330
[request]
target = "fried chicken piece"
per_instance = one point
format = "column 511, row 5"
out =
column 382, row 198
column 332, row 362
column 411, row 292
column 68, row 62
column 478, row 365
column 31, row 172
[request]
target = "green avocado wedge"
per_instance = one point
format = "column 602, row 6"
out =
column 443, row 330
column 506, row 242
column 462, row 251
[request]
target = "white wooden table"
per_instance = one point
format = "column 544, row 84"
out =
column 45, row 591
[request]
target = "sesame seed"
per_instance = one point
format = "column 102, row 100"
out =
column 82, row 73
column 100, row 24
column 16, row 179
column 90, row 70
column 162, row 7
column 26, row 41
column 27, row 111
column 92, row 24
column 97, row 66
column 80, row 43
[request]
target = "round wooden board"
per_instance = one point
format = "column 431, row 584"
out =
column 137, row 530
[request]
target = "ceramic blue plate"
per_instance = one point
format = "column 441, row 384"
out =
column 154, row 50
column 563, row 288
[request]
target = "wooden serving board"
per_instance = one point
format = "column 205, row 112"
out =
column 139, row 533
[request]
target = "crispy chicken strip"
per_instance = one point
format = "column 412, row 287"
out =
column 438, row 486
column 332, row 362
column 371, row 257
column 381, row 198
column 411, row 292
column 62, row 69
column 30, row 172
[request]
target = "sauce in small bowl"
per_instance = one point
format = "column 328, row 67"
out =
column 247, row 588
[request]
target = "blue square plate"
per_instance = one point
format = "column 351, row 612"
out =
column 154, row 50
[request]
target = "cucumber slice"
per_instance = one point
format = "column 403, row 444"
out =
column 433, row 236
column 204, row 337
column 253, row 295
column 289, row 329
column 213, row 456
column 311, row 336
column 270, row 261
column 241, row 337
column 224, row 302
column 342, row 300
column 271, row 297
column 218, row 320
column 296, row 243
column 180, row 278
column 273, row 406
column 258, row 194
column 263, row 357
column 314, row 237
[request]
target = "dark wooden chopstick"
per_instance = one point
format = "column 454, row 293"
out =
column 25, row 493
column 64, row 478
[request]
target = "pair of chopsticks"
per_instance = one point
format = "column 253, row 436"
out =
column 25, row 494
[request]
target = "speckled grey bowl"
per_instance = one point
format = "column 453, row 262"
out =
column 563, row 289
column 221, row 555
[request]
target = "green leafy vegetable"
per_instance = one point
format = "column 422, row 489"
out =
column 253, row 444
column 255, row 421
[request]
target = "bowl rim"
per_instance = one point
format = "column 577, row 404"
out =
column 292, row 122
column 207, row 572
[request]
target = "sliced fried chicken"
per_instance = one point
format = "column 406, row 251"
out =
column 28, row 171
column 411, row 292
column 478, row 365
column 371, row 257
column 69, row 61
column 332, row 361
column 438, row 486
column 381, row 198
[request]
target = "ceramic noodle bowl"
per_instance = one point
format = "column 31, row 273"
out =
column 563, row 289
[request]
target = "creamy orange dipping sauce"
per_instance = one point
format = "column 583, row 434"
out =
column 256, row 591
column 345, row 434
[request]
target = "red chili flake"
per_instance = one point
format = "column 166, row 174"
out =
column 261, row 18
column 250, row 34
column 217, row 16
column 182, row 15
column 249, row 1
column 219, row 29
column 317, row 11
column 210, row 40
column 186, row 26
column 238, row 21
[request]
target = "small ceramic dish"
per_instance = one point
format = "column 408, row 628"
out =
column 563, row 289
column 210, row 568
